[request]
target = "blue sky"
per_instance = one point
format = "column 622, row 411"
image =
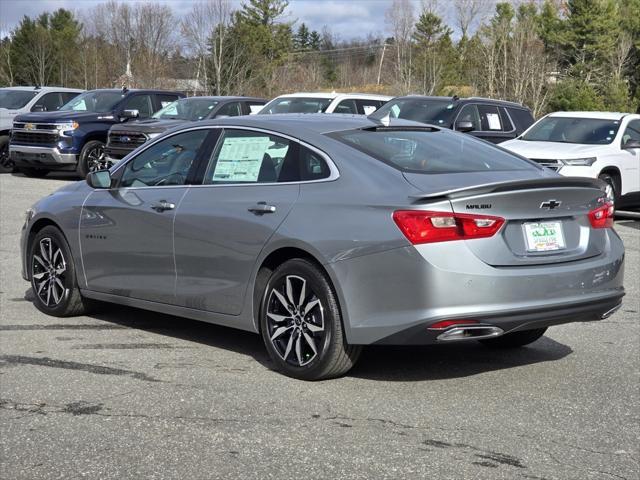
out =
column 347, row 18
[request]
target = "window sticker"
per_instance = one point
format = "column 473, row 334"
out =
column 164, row 103
column 494, row 121
column 369, row 109
column 240, row 159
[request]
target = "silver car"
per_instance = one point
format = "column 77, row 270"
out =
column 324, row 233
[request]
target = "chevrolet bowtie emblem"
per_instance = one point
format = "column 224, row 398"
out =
column 550, row 204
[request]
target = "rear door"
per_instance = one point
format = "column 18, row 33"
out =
column 248, row 188
column 126, row 233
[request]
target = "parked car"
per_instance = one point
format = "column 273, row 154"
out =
column 324, row 233
column 17, row 100
column 493, row 120
column 588, row 144
column 124, row 138
column 73, row 138
column 353, row 103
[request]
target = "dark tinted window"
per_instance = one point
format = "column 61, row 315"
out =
column 97, row 101
column 346, row 106
column 244, row 156
column 585, row 131
column 233, row 109
column 166, row 163
column 166, row 98
column 14, row 99
column 49, row 102
column 507, row 125
column 490, row 118
column 296, row 105
column 367, row 107
column 632, row 132
column 425, row 151
column 436, row 112
column 312, row 165
column 522, row 118
column 469, row 113
column 142, row 103
column 67, row 96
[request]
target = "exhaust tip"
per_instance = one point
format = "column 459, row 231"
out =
column 471, row 332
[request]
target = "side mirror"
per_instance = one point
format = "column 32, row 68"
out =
column 99, row 179
column 38, row 108
column 631, row 144
column 464, row 126
column 129, row 114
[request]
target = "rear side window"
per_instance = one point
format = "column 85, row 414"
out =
column 68, row 96
column 428, row 151
column 507, row 126
column 367, row 107
column 522, row 118
column 490, row 118
column 346, row 106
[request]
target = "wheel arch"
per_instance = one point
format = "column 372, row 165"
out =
column 36, row 227
column 615, row 173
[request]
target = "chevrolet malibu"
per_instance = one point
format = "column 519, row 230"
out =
column 324, row 233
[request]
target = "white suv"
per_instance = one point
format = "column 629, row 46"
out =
column 588, row 144
column 17, row 100
column 353, row 103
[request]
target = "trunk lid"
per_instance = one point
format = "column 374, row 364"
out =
column 546, row 218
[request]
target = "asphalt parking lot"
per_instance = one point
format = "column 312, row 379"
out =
column 125, row 393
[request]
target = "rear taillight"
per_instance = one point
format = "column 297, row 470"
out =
column 423, row 226
column 602, row 217
column 444, row 324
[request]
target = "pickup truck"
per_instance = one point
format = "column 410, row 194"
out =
column 17, row 100
column 73, row 138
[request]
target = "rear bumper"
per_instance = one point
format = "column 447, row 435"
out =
column 394, row 296
column 41, row 157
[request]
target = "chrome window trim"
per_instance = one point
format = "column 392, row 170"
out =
column 484, row 131
column 334, row 173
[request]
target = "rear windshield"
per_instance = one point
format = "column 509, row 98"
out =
column 296, row 105
column 585, row 131
column 15, row 99
column 431, row 151
column 435, row 112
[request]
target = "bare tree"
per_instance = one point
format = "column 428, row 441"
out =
column 401, row 19
column 468, row 13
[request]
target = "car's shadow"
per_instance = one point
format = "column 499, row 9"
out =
column 387, row 363
column 64, row 176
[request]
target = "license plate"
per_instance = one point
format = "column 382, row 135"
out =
column 544, row 236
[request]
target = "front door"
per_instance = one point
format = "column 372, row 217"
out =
column 126, row 233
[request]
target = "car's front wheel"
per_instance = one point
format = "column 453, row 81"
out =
column 515, row 339
column 301, row 323
column 53, row 276
column 92, row 158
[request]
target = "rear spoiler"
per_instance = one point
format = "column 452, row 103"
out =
column 552, row 182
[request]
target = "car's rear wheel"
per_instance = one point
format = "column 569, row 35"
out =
column 301, row 323
column 34, row 172
column 515, row 339
column 53, row 276
column 92, row 158
column 6, row 165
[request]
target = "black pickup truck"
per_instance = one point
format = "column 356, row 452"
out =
column 73, row 138
column 124, row 138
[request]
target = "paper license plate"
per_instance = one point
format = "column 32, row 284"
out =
column 544, row 236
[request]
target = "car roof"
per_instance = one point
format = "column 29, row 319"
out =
column 317, row 123
column 44, row 89
column 333, row 95
column 494, row 101
column 224, row 98
column 598, row 115
column 136, row 90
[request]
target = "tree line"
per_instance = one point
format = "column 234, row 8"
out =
column 548, row 54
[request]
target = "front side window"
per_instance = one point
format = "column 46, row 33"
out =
column 49, row 102
column 15, row 99
column 166, row 163
column 632, row 132
column 585, row 131
column 96, row 101
column 191, row 109
column 435, row 112
column 420, row 150
column 233, row 109
column 142, row 103
column 296, row 105
column 166, row 98
column 244, row 156
column 469, row 113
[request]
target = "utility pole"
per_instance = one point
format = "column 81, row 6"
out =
column 384, row 47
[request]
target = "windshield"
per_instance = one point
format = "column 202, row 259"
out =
column 191, row 109
column 96, row 101
column 15, row 99
column 296, row 105
column 421, row 150
column 435, row 112
column 585, row 131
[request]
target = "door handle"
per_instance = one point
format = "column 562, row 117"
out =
column 162, row 205
column 261, row 208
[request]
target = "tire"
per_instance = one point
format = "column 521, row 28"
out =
column 515, row 339
column 53, row 276
column 92, row 158
column 6, row 165
column 612, row 183
column 307, row 345
column 34, row 172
